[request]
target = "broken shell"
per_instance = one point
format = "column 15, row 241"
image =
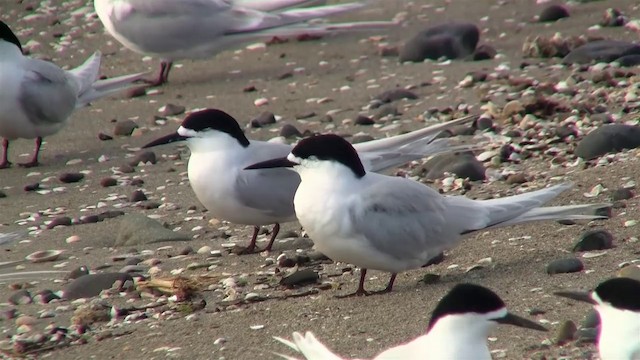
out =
column 44, row 256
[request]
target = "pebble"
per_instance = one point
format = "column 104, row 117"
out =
column 594, row 240
column 562, row 266
column 300, row 277
column 104, row 137
column 171, row 110
column 204, row 250
column 144, row 157
column 553, row 13
column 45, row 297
column 108, row 181
column 91, row 285
column 124, row 128
column 77, row 272
column 364, row 120
column 265, row 118
column 630, row 271
column 137, row 195
column 601, row 51
column 464, row 165
column 395, row 95
column 59, row 221
column 72, row 239
column 622, row 194
column 608, row 138
column 138, row 229
column 452, row 40
column 20, row 297
column 70, row 177
column 289, row 131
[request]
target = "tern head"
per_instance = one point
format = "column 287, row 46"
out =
column 620, row 293
column 207, row 124
column 474, row 309
column 7, row 35
column 313, row 150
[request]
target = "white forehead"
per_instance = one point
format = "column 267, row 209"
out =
column 294, row 158
column 182, row 131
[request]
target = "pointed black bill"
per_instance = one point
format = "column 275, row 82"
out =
column 173, row 137
column 576, row 295
column 516, row 320
column 273, row 163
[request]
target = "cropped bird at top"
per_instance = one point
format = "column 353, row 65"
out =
column 38, row 97
column 220, row 151
column 458, row 329
column 617, row 302
column 391, row 223
column 192, row 29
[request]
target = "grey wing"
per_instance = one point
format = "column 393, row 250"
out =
column 403, row 219
column 47, row 95
column 269, row 190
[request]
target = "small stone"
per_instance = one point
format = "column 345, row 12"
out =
column 137, row 195
column 20, row 297
column 32, row 187
column 60, row 221
column 453, row 40
column 72, row 239
column 26, row 320
column 171, row 110
column 124, row 128
column 148, row 204
column 622, row 194
column 608, row 138
column 565, row 332
column 300, row 277
column 92, row 284
column 104, row 137
column 591, row 320
column 594, row 240
column 137, row 229
column 108, row 181
column 205, row 250
column 266, row 118
column 429, row 279
column 364, row 120
column 144, row 157
column 70, row 177
column 187, row 250
column 77, row 272
column 562, row 266
column 45, row 296
column 518, row 178
column 553, row 13
column 305, row 115
column 396, row 94
column 289, row 131
column 127, row 169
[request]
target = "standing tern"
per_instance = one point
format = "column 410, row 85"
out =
column 390, row 223
column 194, row 29
column 617, row 301
column 38, row 97
column 458, row 329
column 220, row 151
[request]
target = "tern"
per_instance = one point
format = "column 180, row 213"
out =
column 38, row 97
column 220, row 151
column 617, row 301
column 194, row 29
column 458, row 329
column 395, row 224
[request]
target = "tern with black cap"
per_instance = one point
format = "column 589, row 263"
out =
column 220, row 151
column 458, row 329
column 617, row 302
column 395, row 224
column 38, row 97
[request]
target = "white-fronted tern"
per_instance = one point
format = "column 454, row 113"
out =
column 38, row 97
column 458, row 329
column 617, row 301
column 395, row 224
